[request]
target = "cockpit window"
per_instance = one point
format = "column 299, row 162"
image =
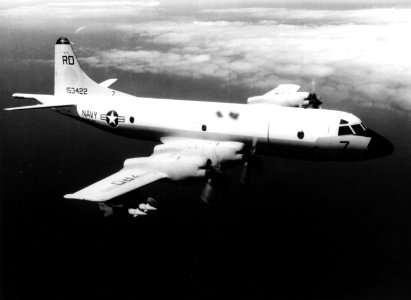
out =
column 343, row 122
column 344, row 130
column 358, row 129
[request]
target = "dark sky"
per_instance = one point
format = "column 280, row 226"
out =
column 301, row 230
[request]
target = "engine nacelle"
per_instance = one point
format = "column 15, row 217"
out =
column 294, row 99
column 180, row 158
column 176, row 166
column 217, row 152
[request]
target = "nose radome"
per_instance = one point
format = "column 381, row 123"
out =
column 379, row 146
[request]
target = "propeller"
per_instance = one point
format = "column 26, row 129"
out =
column 251, row 163
column 312, row 100
column 208, row 192
column 216, row 181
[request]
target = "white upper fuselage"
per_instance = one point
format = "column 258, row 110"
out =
column 278, row 130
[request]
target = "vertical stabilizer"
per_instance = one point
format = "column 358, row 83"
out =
column 69, row 78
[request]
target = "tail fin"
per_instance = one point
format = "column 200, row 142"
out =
column 69, row 78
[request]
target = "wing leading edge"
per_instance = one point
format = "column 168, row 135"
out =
column 126, row 180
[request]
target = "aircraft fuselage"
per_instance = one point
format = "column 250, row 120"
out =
column 312, row 134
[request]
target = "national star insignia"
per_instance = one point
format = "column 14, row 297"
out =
column 112, row 118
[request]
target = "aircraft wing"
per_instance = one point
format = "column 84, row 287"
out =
column 175, row 159
column 117, row 184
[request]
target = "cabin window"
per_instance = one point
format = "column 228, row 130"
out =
column 204, row 127
column 131, row 120
column 300, row 135
column 345, row 130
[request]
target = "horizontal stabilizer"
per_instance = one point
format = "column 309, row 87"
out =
column 40, row 106
column 108, row 82
column 39, row 97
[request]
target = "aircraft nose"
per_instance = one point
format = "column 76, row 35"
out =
column 379, row 146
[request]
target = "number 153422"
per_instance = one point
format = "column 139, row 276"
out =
column 79, row 91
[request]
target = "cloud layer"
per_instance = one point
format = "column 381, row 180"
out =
column 352, row 54
column 52, row 12
column 358, row 55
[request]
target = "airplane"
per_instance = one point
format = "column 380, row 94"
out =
column 198, row 138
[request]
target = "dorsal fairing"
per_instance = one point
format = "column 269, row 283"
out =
column 69, row 78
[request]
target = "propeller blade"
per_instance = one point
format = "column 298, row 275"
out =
column 250, row 162
column 253, row 165
column 208, row 192
column 314, row 101
column 245, row 174
column 313, row 86
column 217, row 183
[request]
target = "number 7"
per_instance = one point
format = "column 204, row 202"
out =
column 346, row 144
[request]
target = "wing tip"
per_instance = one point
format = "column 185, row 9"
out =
column 82, row 197
column 23, row 96
column 71, row 196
